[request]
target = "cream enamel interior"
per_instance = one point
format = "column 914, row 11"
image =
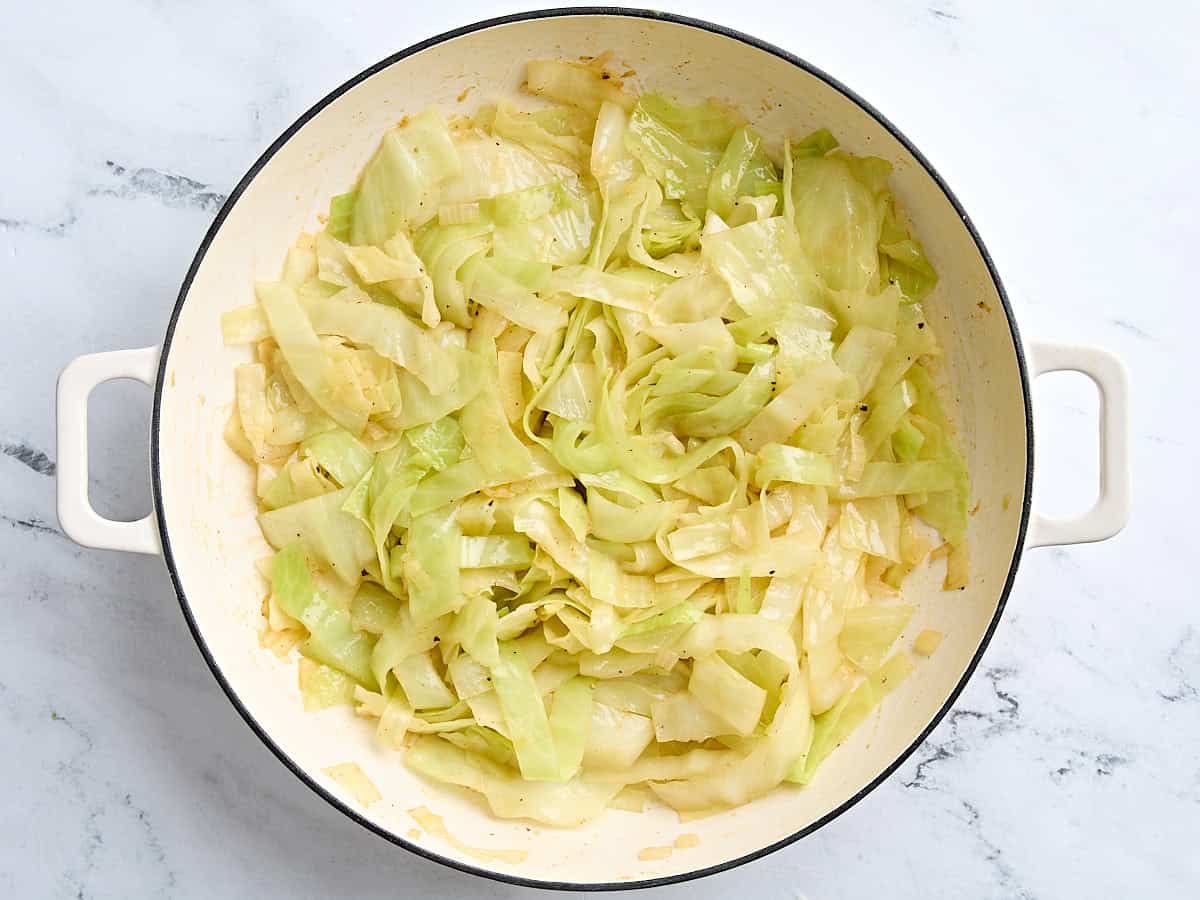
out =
column 207, row 493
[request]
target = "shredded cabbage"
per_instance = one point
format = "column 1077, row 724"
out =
column 595, row 442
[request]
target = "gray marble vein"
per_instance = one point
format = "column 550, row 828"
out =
column 1183, row 667
column 1067, row 768
column 168, row 188
column 56, row 228
column 1137, row 332
column 943, row 14
column 29, row 456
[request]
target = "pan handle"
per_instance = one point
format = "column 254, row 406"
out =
column 75, row 513
column 1111, row 511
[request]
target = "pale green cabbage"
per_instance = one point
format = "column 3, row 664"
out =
column 595, row 442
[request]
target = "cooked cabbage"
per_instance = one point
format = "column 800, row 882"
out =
column 595, row 442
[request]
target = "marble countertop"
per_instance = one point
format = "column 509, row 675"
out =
column 1068, row 768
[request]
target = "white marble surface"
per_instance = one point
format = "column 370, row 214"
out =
column 1069, row 767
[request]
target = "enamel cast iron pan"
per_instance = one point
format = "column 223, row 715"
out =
column 203, row 522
